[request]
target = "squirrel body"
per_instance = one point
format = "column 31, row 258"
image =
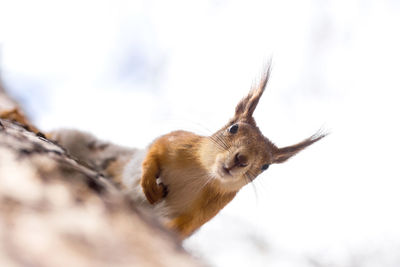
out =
column 179, row 160
column 185, row 178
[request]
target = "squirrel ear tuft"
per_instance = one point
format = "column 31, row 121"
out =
column 245, row 108
column 284, row 153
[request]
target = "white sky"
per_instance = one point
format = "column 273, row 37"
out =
column 129, row 71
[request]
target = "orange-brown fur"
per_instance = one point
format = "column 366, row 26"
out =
column 209, row 202
column 186, row 178
column 10, row 110
column 196, row 176
column 180, row 155
column 16, row 114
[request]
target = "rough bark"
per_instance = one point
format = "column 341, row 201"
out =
column 10, row 109
column 54, row 211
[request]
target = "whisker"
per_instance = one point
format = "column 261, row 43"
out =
column 221, row 141
column 250, row 177
column 210, row 178
column 217, row 142
column 219, row 145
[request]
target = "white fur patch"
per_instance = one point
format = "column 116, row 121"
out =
column 133, row 170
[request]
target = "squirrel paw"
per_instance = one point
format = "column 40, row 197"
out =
column 155, row 192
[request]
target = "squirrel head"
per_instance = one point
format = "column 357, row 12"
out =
column 237, row 153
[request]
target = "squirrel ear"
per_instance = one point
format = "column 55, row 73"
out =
column 246, row 107
column 284, row 153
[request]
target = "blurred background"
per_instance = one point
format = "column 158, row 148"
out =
column 129, row 71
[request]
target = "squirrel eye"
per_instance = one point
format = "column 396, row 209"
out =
column 264, row 167
column 233, row 129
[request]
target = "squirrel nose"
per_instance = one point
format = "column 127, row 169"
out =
column 240, row 160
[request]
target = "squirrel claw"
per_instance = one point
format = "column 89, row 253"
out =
column 165, row 190
column 156, row 192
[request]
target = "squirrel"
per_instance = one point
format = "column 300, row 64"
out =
column 201, row 174
column 184, row 178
